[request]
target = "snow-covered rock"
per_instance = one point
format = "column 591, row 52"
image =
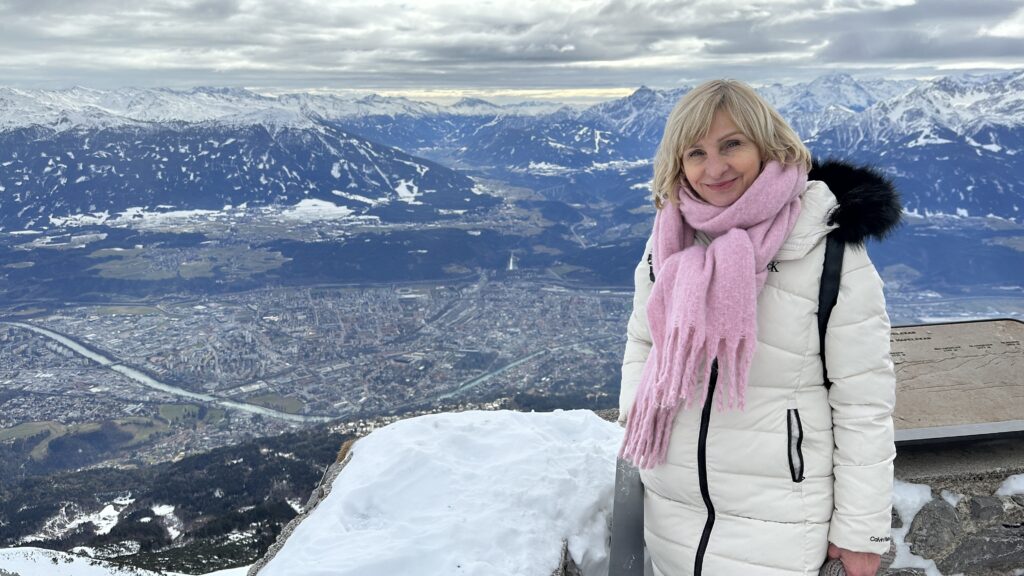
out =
column 474, row 493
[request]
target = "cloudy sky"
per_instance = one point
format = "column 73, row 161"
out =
column 575, row 49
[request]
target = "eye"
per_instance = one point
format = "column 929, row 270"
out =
column 694, row 154
column 732, row 144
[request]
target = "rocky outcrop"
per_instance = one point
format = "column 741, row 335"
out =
column 981, row 536
column 318, row 495
column 567, row 567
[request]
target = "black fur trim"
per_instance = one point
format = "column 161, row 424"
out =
column 869, row 205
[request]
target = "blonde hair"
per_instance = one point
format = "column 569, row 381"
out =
column 691, row 119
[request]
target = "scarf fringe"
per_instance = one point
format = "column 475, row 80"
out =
column 649, row 425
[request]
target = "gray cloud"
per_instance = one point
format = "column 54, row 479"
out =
column 391, row 44
column 915, row 46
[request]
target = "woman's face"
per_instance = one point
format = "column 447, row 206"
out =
column 722, row 165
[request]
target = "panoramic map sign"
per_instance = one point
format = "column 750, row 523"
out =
column 959, row 379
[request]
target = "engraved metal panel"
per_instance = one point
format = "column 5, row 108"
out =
column 962, row 379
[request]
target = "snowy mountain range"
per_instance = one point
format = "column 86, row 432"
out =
column 272, row 158
column 952, row 145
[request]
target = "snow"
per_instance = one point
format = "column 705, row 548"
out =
column 544, row 169
column 952, row 497
column 105, row 520
column 163, row 509
column 408, row 191
column 620, row 165
column 68, row 519
column 358, row 198
column 39, row 562
column 908, row 499
column 926, row 139
column 171, row 522
column 310, row 210
column 135, row 215
column 474, row 493
column 1011, row 486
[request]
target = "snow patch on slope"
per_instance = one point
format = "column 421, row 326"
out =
column 39, row 562
column 408, row 191
column 310, row 210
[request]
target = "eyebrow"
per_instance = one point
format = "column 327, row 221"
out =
column 726, row 137
column 730, row 135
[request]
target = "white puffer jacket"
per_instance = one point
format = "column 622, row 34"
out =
column 762, row 491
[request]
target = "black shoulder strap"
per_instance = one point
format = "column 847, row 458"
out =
column 828, row 292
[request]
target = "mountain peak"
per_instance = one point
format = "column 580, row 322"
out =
column 470, row 102
column 224, row 91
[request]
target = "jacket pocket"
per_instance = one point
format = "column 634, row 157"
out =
column 796, row 437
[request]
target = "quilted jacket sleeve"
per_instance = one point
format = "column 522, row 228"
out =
column 638, row 336
column 862, row 397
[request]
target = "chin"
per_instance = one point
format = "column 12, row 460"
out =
column 720, row 200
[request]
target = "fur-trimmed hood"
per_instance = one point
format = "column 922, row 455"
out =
column 869, row 205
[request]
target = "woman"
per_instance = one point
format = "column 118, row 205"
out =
column 785, row 472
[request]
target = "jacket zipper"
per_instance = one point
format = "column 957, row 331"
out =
column 702, row 471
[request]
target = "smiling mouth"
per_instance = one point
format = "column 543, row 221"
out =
column 723, row 186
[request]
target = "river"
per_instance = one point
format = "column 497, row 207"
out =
column 149, row 382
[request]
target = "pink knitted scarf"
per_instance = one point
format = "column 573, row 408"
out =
column 704, row 303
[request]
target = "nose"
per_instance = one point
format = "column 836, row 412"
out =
column 715, row 165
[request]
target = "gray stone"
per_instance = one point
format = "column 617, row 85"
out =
column 1019, row 499
column 996, row 549
column 897, row 522
column 934, row 529
column 984, row 509
column 567, row 567
column 904, row 572
column 888, row 557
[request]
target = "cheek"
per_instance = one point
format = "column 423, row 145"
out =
column 691, row 174
column 753, row 168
